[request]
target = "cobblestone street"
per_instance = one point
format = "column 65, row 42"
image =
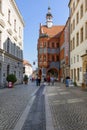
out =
column 68, row 107
column 52, row 108
column 13, row 102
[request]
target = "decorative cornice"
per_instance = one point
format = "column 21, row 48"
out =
column 12, row 56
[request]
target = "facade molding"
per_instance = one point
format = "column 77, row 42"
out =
column 13, row 3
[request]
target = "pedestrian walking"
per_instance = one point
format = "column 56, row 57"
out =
column 48, row 80
column 52, row 80
column 39, row 80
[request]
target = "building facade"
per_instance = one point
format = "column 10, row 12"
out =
column 48, row 47
column 78, row 40
column 27, row 69
column 11, row 41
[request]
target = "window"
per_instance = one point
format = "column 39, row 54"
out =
column 8, row 69
column 77, row 17
column 72, row 74
column 57, row 58
column 86, row 30
column 73, row 43
column 19, row 31
column 9, row 16
column 41, row 44
column 44, row 44
column 44, row 58
column 15, row 24
column 71, row 11
column 40, row 58
column 0, row 38
column 48, row 45
column 14, row 49
column 8, row 44
column 71, row 28
column 73, row 6
column 52, row 57
column 71, row 46
column 78, row 74
column 77, row 2
column 52, row 44
column 81, row 11
column 85, row 5
column 74, row 59
column 0, row 5
column 81, row 33
column 73, row 24
column 71, row 61
column 77, row 58
column 77, row 38
column 57, row 45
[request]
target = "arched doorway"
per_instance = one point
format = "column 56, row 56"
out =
column 53, row 71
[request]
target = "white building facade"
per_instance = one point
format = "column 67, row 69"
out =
column 28, row 70
column 78, row 40
column 11, row 41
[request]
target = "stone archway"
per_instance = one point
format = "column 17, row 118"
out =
column 52, row 71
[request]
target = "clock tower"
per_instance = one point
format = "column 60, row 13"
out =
column 49, row 21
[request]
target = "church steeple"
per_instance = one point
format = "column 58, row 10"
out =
column 49, row 21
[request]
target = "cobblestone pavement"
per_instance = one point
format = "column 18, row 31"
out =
column 68, row 107
column 36, row 117
column 13, row 101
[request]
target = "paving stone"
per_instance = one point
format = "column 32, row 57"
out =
column 13, row 102
column 68, row 108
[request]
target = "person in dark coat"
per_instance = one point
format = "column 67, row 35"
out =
column 39, row 80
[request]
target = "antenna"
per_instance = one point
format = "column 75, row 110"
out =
column 48, row 3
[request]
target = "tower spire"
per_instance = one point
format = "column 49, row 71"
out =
column 49, row 21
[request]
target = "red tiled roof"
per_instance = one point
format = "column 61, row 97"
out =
column 53, row 31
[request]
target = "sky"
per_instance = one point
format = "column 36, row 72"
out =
column 34, row 13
